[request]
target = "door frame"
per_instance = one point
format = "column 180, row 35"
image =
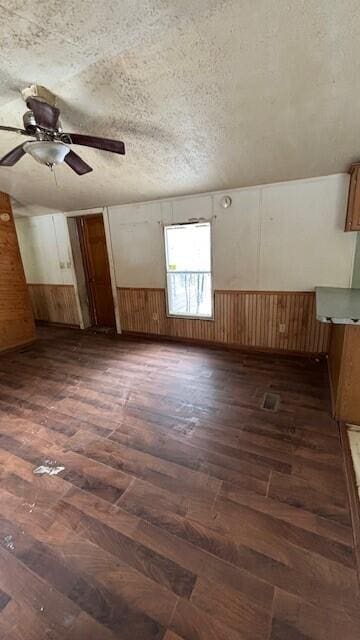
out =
column 105, row 214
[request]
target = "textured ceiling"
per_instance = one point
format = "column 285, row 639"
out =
column 206, row 94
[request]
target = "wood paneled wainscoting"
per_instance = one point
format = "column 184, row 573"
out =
column 280, row 321
column 54, row 303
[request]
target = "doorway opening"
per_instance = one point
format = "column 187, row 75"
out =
column 91, row 262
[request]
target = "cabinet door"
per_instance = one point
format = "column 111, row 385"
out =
column 348, row 392
column 353, row 208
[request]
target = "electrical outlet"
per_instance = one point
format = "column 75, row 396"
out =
column 155, row 317
column 282, row 328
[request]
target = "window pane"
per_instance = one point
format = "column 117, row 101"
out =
column 188, row 247
column 189, row 294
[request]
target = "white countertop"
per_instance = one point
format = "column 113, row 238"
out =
column 338, row 305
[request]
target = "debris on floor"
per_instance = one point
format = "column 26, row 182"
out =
column 8, row 543
column 49, row 468
column 29, row 506
column 103, row 330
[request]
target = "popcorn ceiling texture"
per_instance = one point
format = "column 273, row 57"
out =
column 207, row 95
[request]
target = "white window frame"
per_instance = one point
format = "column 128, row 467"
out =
column 187, row 316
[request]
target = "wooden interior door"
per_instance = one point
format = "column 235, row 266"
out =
column 96, row 264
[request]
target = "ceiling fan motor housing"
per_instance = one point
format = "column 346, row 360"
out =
column 29, row 122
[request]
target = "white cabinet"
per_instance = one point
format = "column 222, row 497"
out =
column 45, row 249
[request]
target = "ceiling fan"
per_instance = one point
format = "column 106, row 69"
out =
column 51, row 144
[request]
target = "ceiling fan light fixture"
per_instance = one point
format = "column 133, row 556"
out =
column 52, row 145
column 47, row 151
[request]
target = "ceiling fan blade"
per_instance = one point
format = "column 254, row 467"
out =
column 12, row 157
column 77, row 164
column 114, row 146
column 45, row 115
column 14, row 129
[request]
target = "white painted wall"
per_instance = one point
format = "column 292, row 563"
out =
column 45, row 249
column 286, row 237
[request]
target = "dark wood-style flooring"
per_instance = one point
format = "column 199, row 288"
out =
column 184, row 511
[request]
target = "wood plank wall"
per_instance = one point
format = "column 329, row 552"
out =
column 16, row 318
column 54, row 303
column 243, row 318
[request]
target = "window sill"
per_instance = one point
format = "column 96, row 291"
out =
column 186, row 317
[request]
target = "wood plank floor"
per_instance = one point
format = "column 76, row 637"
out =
column 184, row 511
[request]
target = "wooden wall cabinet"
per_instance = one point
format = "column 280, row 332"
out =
column 353, row 206
column 344, row 369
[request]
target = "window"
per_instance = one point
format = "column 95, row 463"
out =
column 188, row 270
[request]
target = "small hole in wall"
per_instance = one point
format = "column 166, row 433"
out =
column 270, row 402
